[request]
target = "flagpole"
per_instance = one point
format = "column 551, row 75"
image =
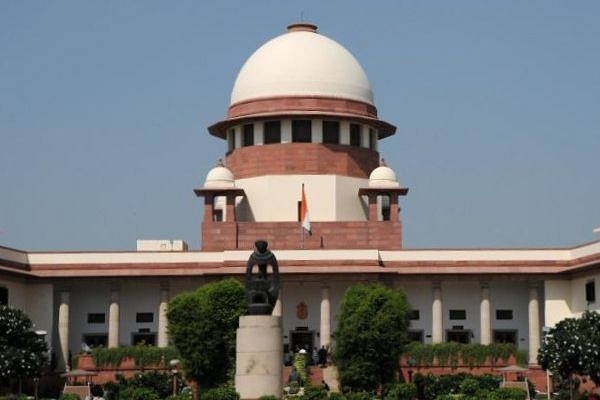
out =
column 301, row 221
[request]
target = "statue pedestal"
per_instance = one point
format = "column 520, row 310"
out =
column 259, row 357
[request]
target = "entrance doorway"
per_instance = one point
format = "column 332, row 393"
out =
column 303, row 339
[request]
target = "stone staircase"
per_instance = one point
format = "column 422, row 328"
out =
column 330, row 376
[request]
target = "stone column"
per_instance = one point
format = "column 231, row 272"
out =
column 113, row 319
column 325, row 334
column 534, row 324
column 163, row 338
column 437, row 322
column 63, row 330
column 484, row 314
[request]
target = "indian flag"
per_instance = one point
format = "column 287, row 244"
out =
column 304, row 217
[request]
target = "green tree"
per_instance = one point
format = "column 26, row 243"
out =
column 23, row 353
column 202, row 326
column 370, row 336
column 573, row 347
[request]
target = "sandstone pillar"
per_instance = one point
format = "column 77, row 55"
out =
column 163, row 338
column 113, row 319
column 63, row 330
column 437, row 323
column 325, row 328
column 484, row 315
column 259, row 358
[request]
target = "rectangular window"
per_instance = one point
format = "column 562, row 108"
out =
column 355, row 135
column 248, row 135
column 414, row 315
column 504, row 314
column 96, row 318
column 459, row 336
column 95, row 339
column 458, row 314
column 3, row 296
column 143, row 338
column 301, row 131
column 590, row 292
column 331, row 132
column 415, row 336
column 144, row 317
column 505, row 336
column 272, row 132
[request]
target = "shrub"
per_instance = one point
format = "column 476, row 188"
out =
column 142, row 355
column 220, row 393
column 69, row 396
column 489, row 382
column 268, row 397
column 511, row 394
column 337, row 396
column 181, row 396
column 314, row 392
column 138, row 393
column 160, row 383
column 402, row 391
column 359, row 396
column 111, row 390
column 469, row 386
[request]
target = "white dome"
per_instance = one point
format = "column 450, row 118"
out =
column 302, row 62
column 219, row 177
column 383, row 177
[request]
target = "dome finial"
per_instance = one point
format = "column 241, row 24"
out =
column 220, row 163
column 382, row 163
column 302, row 26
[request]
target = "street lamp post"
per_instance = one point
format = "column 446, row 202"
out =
column 36, row 382
column 174, row 370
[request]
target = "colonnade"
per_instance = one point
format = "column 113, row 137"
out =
column 437, row 331
column 162, row 339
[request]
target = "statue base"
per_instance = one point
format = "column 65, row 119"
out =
column 259, row 357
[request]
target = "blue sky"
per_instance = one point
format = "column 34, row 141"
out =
column 104, row 107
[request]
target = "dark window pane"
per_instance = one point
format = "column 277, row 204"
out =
column 3, row 296
column 505, row 337
column 272, row 132
column 143, row 338
column 414, row 315
column 248, row 135
column 355, row 135
column 231, row 140
column 458, row 314
column 504, row 314
column 144, row 317
column 415, row 336
column 96, row 318
column 301, row 131
column 331, row 132
column 590, row 292
column 459, row 336
column 95, row 339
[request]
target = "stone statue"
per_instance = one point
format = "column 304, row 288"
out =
column 262, row 293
